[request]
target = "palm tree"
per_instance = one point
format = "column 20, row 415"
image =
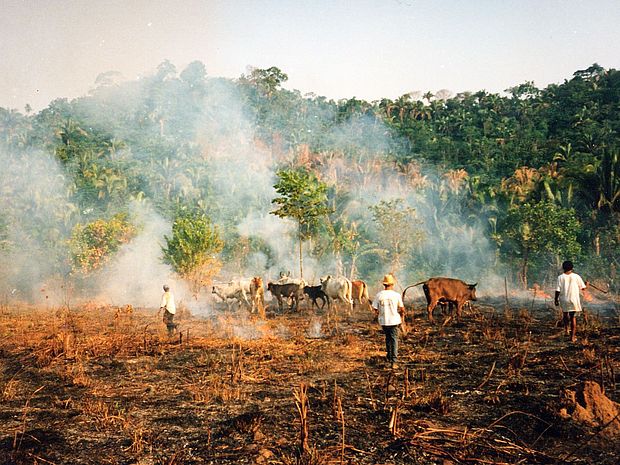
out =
column 521, row 184
column 608, row 174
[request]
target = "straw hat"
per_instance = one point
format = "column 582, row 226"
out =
column 389, row 280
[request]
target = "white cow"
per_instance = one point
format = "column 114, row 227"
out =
column 337, row 288
column 245, row 291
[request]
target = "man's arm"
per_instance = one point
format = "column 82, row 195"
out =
column 556, row 301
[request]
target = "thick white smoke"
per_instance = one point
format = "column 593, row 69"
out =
column 228, row 160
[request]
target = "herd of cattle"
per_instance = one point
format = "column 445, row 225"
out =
column 250, row 292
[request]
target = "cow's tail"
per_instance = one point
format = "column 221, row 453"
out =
column 412, row 285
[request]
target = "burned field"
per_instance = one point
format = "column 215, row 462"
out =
column 104, row 385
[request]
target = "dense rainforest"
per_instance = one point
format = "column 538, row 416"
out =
column 475, row 185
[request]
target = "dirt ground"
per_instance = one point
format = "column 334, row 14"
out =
column 105, row 385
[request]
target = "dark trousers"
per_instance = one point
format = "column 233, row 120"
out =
column 168, row 320
column 391, row 342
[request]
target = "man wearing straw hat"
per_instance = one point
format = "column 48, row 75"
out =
column 388, row 306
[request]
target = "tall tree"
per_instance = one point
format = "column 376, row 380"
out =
column 192, row 249
column 398, row 230
column 541, row 233
column 303, row 198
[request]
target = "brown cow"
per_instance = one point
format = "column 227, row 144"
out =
column 359, row 292
column 446, row 290
column 257, row 295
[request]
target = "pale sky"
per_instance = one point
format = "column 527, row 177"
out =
column 336, row 48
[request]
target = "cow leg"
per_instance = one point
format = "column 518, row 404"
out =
column 459, row 309
column 445, row 306
column 429, row 308
column 348, row 301
column 246, row 301
column 280, row 303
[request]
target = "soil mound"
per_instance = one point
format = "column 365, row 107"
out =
column 589, row 405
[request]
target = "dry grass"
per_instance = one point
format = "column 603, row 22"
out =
column 108, row 379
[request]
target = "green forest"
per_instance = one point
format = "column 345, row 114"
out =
column 250, row 178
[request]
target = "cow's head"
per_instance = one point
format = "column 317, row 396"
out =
column 269, row 286
column 324, row 279
column 472, row 291
column 257, row 281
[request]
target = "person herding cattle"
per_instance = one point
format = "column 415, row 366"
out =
column 388, row 306
column 169, row 308
column 568, row 299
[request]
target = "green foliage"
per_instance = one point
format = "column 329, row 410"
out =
column 302, row 197
column 192, row 249
column 529, row 145
column 398, row 230
column 542, row 233
column 267, row 81
column 93, row 244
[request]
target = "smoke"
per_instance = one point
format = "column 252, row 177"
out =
column 136, row 274
column 207, row 149
column 36, row 214
column 315, row 329
column 452, row 244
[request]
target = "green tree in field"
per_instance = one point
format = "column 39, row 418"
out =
column 93, row 244
column 302, row 198
column 542, row 233
column 192, row 249
column 397, row 230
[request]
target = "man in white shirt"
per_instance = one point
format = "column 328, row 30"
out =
column 567, row 297
column 169, row 308
column 388, row 306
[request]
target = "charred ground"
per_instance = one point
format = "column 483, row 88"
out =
column 103, row 385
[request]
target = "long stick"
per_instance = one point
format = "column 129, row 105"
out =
column 597, row 288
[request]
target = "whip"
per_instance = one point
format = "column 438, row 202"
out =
column 597, row 288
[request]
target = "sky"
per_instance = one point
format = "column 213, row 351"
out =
column 369, row 49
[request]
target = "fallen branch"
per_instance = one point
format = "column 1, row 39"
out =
column 488, row 376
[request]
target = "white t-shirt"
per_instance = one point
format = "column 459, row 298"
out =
column 569, row 286
column 167, row 301
column 388, row 302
